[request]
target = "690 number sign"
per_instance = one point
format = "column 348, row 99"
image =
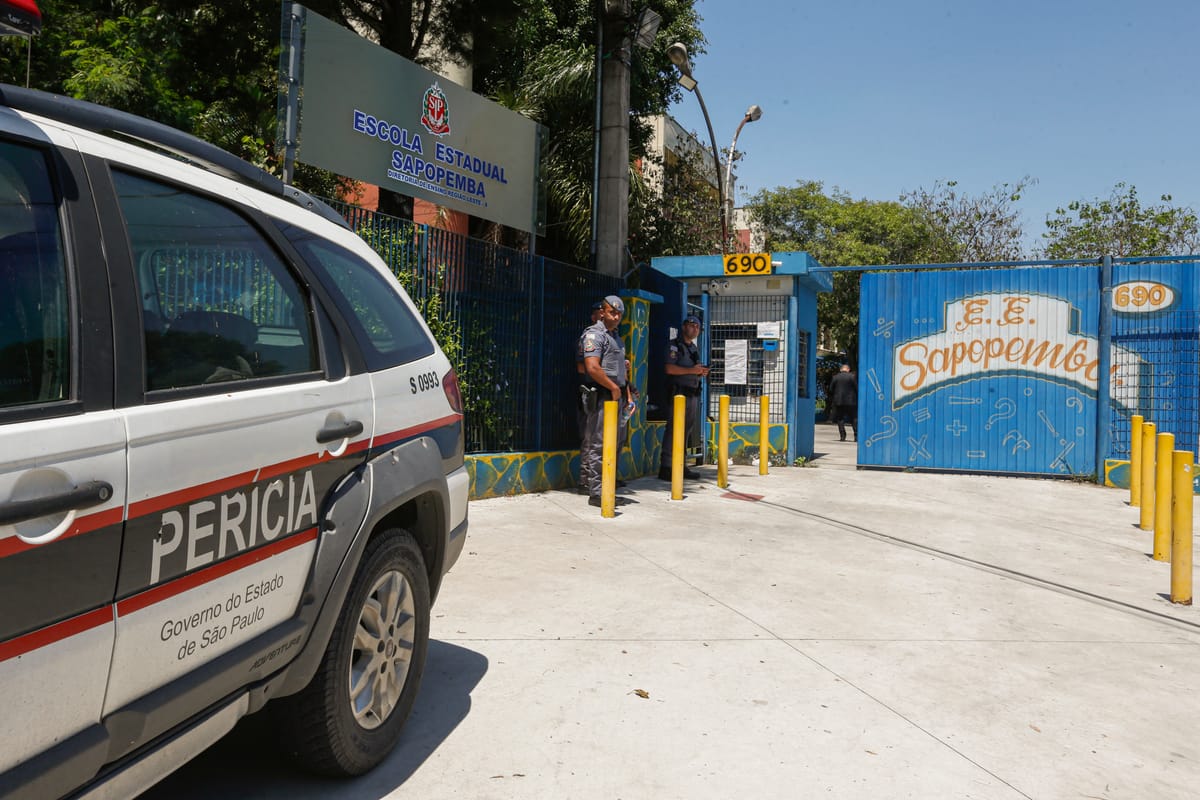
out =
column 748, row 264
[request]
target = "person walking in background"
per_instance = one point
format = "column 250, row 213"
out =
column 684, row 373
column 843, row 400
column 604, row 363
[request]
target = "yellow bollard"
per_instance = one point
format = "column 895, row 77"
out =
column 1162, row 497
column 678, row 429
column 764, row 433
column 1181, row 530
column 1147, row 519
column 723, row 442
column 1135, row 460
column 608, row 461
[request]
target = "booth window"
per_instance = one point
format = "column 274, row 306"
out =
column 748, row 341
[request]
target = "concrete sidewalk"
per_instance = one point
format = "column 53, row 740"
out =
column 816, row 632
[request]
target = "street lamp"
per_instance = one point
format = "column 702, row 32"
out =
column 679, row 57
column 753, row 114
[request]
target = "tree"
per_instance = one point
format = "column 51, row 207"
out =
column 680, row 217
column 210, row 68
column 546, row 70
column 160, row 60
column 838, row 230
column 986, row 227
column 429, row 32
column 1120, row 226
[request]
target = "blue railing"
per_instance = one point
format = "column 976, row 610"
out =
column 508, row 320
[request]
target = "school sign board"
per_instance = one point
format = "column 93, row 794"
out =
column 369, row 114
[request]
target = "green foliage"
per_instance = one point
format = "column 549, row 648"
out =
column 545, row 67
column 827, row 367
column 985, row 227
column 838, row 230
column 210, row 68
column 128, row 62
column 429, row 32
column 468, row 345
column 570, row 25
column 1120, row 226
column 927, row 226
column 682, row 218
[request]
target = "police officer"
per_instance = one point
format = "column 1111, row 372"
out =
column 684, row 373
column 581, row 381
column 604, row 363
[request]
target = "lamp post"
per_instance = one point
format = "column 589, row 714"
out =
column 753, row 114
column 679, row 57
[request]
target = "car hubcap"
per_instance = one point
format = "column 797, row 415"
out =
column 383, row 648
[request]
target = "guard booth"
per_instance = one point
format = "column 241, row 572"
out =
column 758, row 335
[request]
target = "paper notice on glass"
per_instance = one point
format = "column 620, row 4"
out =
column 736, row 351
column 768, row 330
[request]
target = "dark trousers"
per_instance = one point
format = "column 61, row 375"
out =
column 843, row 414
column 691, row 405
column 592, row 451
column 581, row 412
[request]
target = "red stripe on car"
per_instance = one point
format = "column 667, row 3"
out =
column 389, row 438
column 219, row 570
column 55, row 633
column 86, row 524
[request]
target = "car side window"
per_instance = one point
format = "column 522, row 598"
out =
column 218, row 304
column 386, row 329
column 35, row 339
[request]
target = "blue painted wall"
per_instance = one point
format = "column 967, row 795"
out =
column 946, row 377
column 998, row 370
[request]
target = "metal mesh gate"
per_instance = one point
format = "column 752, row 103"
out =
column 1157, row 376
column 748, row 339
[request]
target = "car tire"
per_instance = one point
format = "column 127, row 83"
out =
column 350, row 715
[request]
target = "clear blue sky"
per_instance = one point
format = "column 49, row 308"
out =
column 879, row 98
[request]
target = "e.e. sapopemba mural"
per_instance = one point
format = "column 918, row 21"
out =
column 985, row 370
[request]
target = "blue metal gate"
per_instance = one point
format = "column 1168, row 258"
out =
column 999, row 369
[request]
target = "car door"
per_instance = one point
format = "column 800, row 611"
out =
column 62, row 460
column 415, row 390
column 244, row 420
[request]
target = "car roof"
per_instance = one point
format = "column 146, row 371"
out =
column 163, row 138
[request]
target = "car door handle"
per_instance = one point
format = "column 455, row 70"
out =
column 336, row 432
column 85, row 495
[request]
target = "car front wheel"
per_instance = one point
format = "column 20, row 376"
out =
column 349, row 717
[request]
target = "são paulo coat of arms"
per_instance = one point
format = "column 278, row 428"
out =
column 436, row 118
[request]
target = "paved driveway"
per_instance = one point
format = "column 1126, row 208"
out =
column 820, row 632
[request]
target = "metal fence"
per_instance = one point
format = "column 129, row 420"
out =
column 234, row 280
column 508, row 320
column 1156, row 342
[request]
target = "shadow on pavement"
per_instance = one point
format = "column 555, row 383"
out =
column 246, row 764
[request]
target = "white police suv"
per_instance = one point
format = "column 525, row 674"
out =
column 231, row 461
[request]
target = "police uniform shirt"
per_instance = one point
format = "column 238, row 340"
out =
column 683, row 354
column 599, row 343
